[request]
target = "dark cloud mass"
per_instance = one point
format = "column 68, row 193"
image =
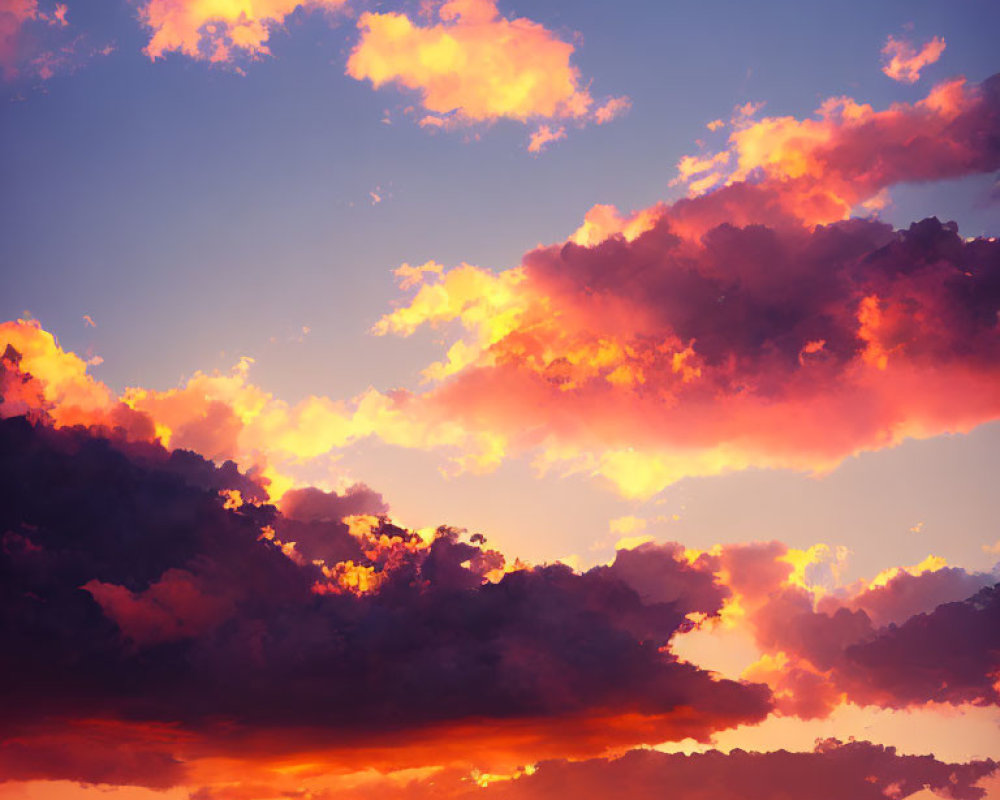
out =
column 130, row 593
column 949, row 655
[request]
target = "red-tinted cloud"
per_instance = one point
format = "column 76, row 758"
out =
column 729, row 330
column 913, row 638
column 13, row 16
column 34, row 43
column 903, row 62
column 133, row 591
column 835, row 770
column 720, row 332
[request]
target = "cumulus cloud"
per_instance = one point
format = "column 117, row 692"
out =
column 903, row 62
column 473, row 65
column 133, row 591
column 748, row 326
column 219, row 30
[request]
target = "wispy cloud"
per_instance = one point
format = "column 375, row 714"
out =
column 903, row 62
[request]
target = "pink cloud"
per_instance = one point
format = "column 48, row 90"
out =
column 903, row 62
column 543, row 136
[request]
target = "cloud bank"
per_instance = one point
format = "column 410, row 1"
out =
column 138, row 597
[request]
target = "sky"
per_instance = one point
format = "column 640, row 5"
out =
column 586, row 395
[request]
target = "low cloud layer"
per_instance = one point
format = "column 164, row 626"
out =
column 833, row 771
column 136, row 591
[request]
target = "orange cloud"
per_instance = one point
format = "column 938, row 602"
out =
column 216, row 29
column 825, row 166
column 613, row 108
column 222, row 415
column 902, row 62
column 472, row 65
column 543, row 136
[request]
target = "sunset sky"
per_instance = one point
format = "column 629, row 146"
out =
column 683, row 320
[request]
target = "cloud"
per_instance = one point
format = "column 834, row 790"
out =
column 909, row 637
column 134, row 592
column 222, row 415
column 834, row 770
column 543, row 136
column 34, row 42
column 821, row 168
column 612, row 109
column 949, row 655
column 314, row 505
column 731, row 329
column 473, row 65
column 902, row 62
column 13, row 16
column 219, row 30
